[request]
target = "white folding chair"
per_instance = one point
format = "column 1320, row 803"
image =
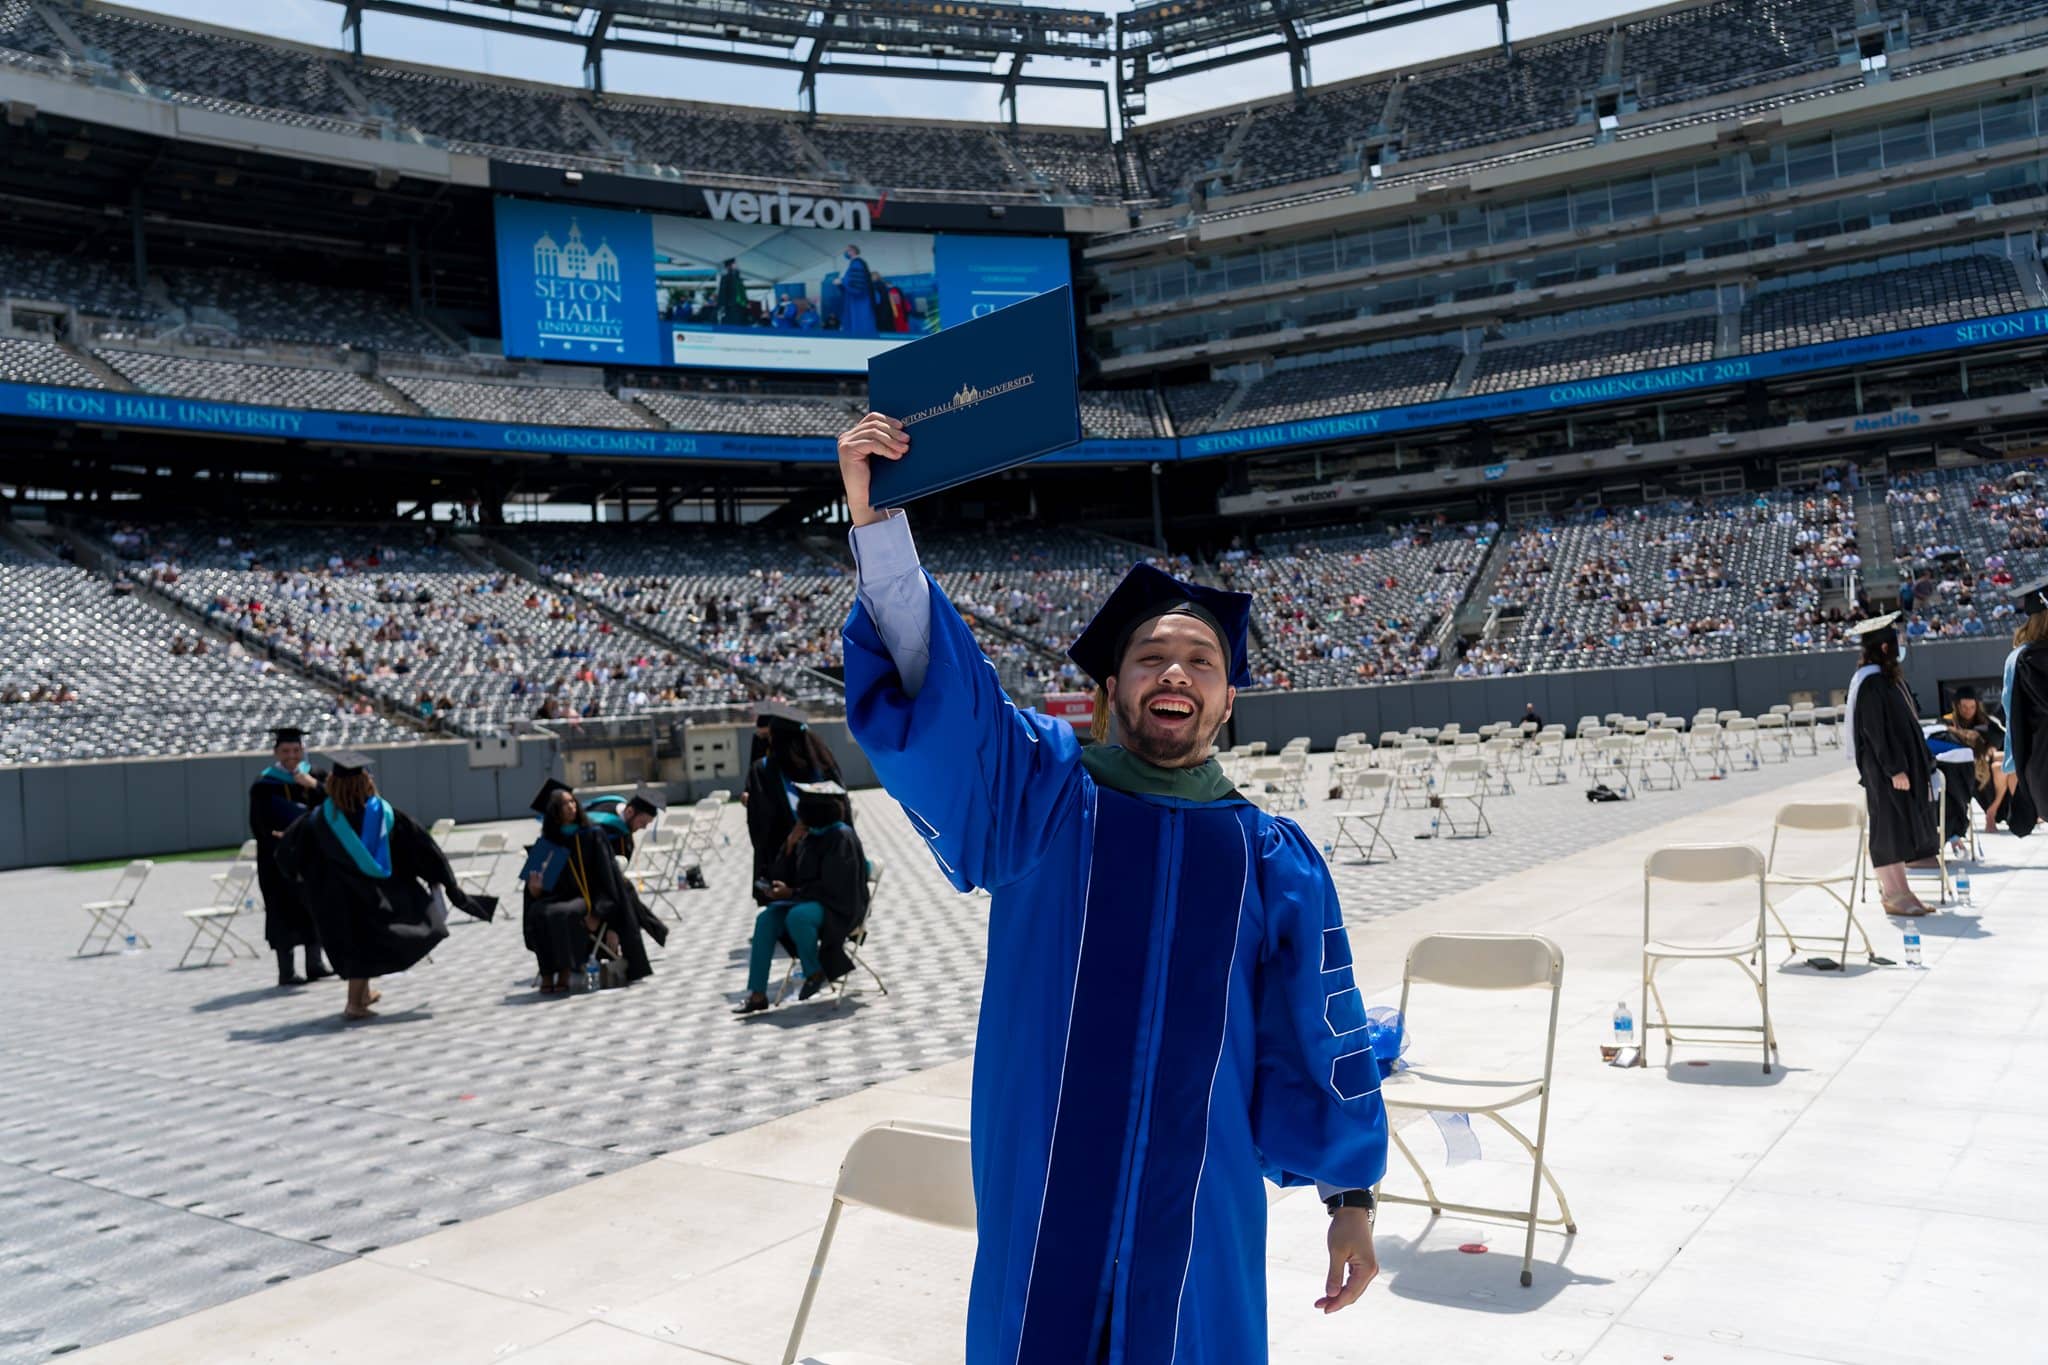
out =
column 1589, row 738
column 1500, row 754
column 1360, row 825
column 1483, row 962
column 706, row 835
column 1461, row 800
column 213, row 925
column 1773, row 738
column 1658, row 759
column 652, row 871
column 918, row 1171
column 1699, row 867
column 1615, row 761
column 1546, row 756
column 1740, row 736
column 475, row 875
column 1704, row 756
column 1828, row 722
column 110, row 916
column 1297, row 745
column 440, row 830
column 1294, row 776
column 1415, row 774
column 1818, row 846
column 1802, row 728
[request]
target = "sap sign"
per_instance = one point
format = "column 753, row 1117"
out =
column 791, row 210
column 572, row 283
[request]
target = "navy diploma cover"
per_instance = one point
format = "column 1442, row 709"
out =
column 978, row 398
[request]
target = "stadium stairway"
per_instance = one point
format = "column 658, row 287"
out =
column 490, row 554
column 108, row 375
column 394, row 394
column 1880, row 558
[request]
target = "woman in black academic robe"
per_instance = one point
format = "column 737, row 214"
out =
column 793, row 755
column 2026, row 711
column 579, row 895
column 1895, row 767
column 368, row 873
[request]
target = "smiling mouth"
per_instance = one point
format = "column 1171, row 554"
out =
column 1171, row 708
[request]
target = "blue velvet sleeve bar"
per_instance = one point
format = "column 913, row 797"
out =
column 1316, row 1109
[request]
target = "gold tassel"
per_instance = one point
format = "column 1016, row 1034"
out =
column 1098, row 729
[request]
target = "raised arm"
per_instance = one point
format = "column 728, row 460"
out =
column 984, row 783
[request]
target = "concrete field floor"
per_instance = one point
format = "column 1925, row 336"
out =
column 195, row 1166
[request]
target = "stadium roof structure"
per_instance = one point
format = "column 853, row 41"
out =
column 966, row 40
column 1166, row 38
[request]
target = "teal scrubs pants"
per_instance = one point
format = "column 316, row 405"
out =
column 801, row 920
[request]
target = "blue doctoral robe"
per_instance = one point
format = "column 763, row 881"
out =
column 1168, row 1014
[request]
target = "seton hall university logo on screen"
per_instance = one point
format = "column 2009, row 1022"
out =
column 577, row 294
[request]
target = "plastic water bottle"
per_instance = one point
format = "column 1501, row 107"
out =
column 590, row 973
column 1329, row 851
column 1624, row 1025
column 1913, row 945
column 1962, row 886
column 130, row 945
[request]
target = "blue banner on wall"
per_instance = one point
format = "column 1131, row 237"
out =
column 360, row 428
column 1642, row 384
column 576, row 283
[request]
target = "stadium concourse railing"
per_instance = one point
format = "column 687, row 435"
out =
column 59, row 813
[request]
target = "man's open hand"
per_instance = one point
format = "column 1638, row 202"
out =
column 1353, row 1263
column 872, row 435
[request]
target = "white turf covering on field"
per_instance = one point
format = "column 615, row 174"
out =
column 1880, row 1197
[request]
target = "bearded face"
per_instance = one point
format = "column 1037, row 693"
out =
column 1172, row 693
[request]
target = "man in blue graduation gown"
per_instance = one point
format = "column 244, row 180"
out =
column 1169, row 1010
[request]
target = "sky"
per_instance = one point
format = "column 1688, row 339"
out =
column 468, row 49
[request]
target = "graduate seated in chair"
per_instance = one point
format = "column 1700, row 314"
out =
column 817, row 895
column 576, row 902
column 619, row 819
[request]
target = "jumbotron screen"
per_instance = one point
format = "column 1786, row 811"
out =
column 766, row 282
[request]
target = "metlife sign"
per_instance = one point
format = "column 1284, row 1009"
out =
column 572, row 282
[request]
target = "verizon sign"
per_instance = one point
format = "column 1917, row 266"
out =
column 790, row 210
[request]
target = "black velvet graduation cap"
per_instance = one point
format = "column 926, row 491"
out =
column 548, row 789
column 777, row 715
column 647, row 800
column 1147, row 594
column 347, row 762
column 2031, row 597
column 287, row 734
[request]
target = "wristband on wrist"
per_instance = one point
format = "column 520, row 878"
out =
column 1350, row 1199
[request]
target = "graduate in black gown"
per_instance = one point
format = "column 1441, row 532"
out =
column 793, row 755
column 2026, row 710
column 370, row 876
column 1892, row 761
column 283, row 792
column 619, row 819
column 575, row 898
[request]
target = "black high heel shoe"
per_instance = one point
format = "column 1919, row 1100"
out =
column 753, row 1004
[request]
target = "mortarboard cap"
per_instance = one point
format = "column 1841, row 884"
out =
column 1148, row 593
column 287, row 734
column 2031, row 597
column 647, row 800
column 1874, row 624
column 779, row 715
column 547, row 791
column 348, row 762
column 819, row 788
